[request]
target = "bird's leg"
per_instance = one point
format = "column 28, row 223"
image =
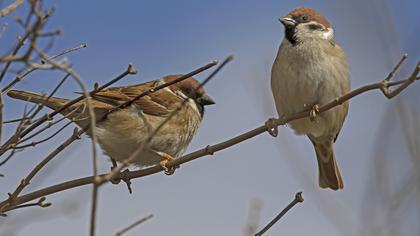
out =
column 167, row 157
column 117, row 178
column 272, row 127
column 314, row 112
column 120, row 176
column 126, row 179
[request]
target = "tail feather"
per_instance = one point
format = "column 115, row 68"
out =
column 52, row 102
column 329, row 174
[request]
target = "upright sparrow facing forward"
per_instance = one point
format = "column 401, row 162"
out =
column 311, row 69
column 124, row 130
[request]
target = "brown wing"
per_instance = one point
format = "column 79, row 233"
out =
column 160, row 103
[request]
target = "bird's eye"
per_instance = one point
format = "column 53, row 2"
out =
column 304, row 18
column 187, row 90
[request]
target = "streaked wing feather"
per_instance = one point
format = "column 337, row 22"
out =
column 160, row 103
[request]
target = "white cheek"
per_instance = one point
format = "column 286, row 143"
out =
column 328, row 34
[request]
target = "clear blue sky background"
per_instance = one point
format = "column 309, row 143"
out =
column 212, row 195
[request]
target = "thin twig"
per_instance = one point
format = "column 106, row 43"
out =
column 41, row 203
column 8, row 144
column 15, row 120
column 8, row 157
column 25, row 181
column 26, row 119
column 298, row 199
column 30, row 33
column 18, row 46
column 48, row 125
column 10, row 8
column 126, row 229
column 34, row 143
column 22, row 75
column 40, row 106
column 13, row 140
column 397, row 66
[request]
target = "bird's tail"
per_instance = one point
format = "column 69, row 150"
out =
column 329, row 174
column 52, row 102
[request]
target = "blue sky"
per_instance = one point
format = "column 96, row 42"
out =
column 211, row 196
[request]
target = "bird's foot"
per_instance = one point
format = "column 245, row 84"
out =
column 116, row 179
column 124, row 177
column 121, row 176
column 314, row 112
column 271, row 126
column 163, row 163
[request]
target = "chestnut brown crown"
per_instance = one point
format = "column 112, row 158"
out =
column 303, row 14
column 191, row 88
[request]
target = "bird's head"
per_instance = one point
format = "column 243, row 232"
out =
column 302, row 24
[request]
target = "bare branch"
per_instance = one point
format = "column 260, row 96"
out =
column 22, row 75
column 41, row 203
column 298, row 199
column 34, row 143
column 126, row 229
column 10, row 8
column 26, row 119
column 49, row 125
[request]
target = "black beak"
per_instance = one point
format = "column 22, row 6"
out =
column 205, row 100
column 287, row 22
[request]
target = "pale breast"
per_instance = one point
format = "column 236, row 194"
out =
column 125, row 131
column 305, row 75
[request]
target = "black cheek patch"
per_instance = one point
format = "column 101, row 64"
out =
column 314, row 26
column 290, row 35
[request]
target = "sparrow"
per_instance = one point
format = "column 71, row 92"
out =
column 124, row 131
column 311, row 69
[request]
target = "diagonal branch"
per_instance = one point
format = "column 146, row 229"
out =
column 209, row 150
column 298, row 199
column 10, row 8
column 141, row 221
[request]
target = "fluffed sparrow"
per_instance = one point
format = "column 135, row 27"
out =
column 123, row 131
column 310, row 70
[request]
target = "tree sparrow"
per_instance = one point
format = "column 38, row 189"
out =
column 311, row 69
column 123, row 131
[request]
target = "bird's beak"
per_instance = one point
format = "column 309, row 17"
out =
column 205, row 100
column 287, row 22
